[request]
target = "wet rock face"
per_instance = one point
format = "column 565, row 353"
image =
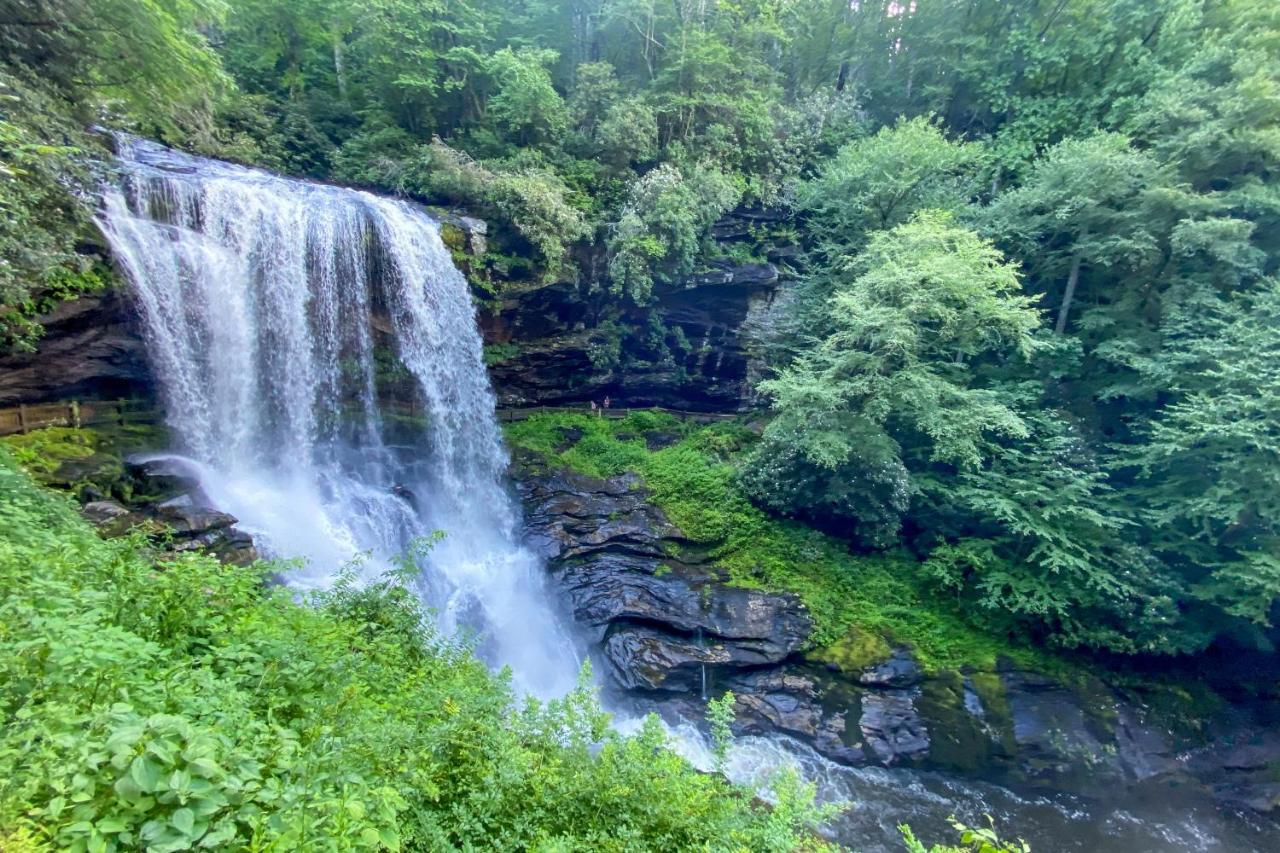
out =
column 669, row 632
column 91, row 349
column 168, row 502
column 557, row 342
column 662, row 622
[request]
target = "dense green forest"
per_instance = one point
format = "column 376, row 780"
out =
column 1033, row 337
column 1031, row 345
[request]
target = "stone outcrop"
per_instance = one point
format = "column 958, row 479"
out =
column 697, row 347
column 663, row 619
column 670, row 631
column 559, row 350
column 92, row 349
column 159, row 498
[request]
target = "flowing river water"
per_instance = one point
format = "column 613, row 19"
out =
column 269, row 305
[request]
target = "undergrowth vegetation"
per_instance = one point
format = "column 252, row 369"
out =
column 859, row 603
column 186, row 704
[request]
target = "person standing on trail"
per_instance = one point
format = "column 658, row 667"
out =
column 606, row 402
column 594, row 410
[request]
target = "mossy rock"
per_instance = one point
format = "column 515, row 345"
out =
column 453, row 237
column 998, row 714
column 956, row 736
column 87, row 462
column 43, row 451
column 839, row 697
column 854, row 652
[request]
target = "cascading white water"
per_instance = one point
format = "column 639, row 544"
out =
column 262, row 299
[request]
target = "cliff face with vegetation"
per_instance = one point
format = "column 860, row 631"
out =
column 688, row 591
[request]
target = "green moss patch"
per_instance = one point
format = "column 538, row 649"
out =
column 78, row 458
column 43, row 451
column 856, row 651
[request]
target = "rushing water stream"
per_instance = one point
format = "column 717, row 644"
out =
column 263, row 299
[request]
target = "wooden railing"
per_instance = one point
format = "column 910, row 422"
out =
column 74, row 413
column 526, row 412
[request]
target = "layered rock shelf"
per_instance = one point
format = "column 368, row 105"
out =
column 670, row 631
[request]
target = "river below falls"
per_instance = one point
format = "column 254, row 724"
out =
column 877, row 800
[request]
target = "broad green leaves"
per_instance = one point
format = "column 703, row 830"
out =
column 187, row 706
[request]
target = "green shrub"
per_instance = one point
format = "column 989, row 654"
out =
column 165, row 706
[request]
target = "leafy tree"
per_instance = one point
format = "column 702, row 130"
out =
column 926, row 298
column 664, row 225
column 1209, row 462
column 1036, row 540
column 147, row 57
column 1087, row 206
column 874, row 184
column 62, row 64
column 525, row 103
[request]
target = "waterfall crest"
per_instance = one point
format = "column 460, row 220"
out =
column 268, row 305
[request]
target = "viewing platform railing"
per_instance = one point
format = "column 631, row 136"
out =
column 77, row 413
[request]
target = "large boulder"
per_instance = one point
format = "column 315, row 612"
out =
column 662, row 622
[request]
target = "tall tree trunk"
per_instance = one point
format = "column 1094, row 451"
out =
column 1073, row 278
column 339, row 62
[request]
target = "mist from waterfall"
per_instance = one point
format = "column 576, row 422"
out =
column 266, row 304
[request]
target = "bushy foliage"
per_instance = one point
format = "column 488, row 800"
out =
column 534, row 200
column 972, row 840
column 876, row 183
column 188, row 704
column 1209, row 464
column 62, row 64
column 863, row 497
column 924, row 299
column 42, row 210
column 664, row 226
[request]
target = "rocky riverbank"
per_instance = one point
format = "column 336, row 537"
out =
column 670, row 631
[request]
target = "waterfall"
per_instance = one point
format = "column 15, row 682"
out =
column 269, row 306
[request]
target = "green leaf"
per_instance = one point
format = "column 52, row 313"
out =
column 183, row 820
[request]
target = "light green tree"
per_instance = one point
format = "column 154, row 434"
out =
column 876, row 183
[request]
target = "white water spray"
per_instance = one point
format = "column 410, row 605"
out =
column 268, row 306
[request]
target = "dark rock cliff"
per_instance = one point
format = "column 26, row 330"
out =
column 92, row 349
column 698, row 347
